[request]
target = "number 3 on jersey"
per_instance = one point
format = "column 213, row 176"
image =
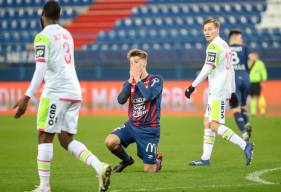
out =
column 67, row 55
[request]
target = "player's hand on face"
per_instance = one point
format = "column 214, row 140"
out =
column 189, row 91
column 137, row 71
column 21, row 106
column 131, row 78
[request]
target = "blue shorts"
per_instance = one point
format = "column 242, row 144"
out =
column 242, row 88
column 146, row 139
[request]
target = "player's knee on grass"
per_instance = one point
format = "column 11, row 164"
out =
column 150, row 168
column 112, row 141
column 64, row 139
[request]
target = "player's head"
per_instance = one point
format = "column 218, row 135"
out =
column 50, row 13
column 211, row 29
column 235, row 37
column 138, row 57
column 253, row 56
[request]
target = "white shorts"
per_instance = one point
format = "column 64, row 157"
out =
column 215, row 110
column 55, row 116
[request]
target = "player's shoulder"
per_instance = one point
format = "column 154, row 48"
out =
column 156, row 79
column 159, row 77
column 42, row 38
column 214, row 46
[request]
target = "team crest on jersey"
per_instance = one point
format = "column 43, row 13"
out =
column 211, row 57
column 40, row 51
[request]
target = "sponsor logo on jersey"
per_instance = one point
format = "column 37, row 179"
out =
column 52, row 114
column 40, row 51
column 151, row 147
column 222, row 109
column 155, row 80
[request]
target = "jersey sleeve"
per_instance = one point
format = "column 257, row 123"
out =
column 212, row 54
column 41, row 47
column 153, row 90
column 125, row 93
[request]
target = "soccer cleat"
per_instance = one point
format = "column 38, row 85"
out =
column 249, row 149
column 104, row 177
column 38, row 189
column 200, row 163
column 159, row 156
column 122, row 165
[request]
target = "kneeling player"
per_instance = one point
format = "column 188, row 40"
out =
column 144, row 92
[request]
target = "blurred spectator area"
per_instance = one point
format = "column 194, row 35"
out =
column 170, row 30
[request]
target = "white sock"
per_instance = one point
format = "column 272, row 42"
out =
column 81, row 152
column 229, row 135
column 208, row 143
column 44, row 158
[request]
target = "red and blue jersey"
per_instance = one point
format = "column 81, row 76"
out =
column 144, row 101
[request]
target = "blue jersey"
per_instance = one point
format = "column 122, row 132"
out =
column 144, row 101
column 240, row 54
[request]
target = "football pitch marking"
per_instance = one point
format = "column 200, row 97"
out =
column 179, row 188
column 255, row 176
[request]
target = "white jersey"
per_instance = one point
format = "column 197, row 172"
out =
column 221, row 78
column 54, row 46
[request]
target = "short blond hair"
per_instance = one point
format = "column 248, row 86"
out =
column 216, row 22
column 137, row 52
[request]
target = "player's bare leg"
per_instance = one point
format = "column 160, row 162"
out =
column 113, row 143
column 81, row 152
column 44, row 158
column 208, row 143
column 232, row 137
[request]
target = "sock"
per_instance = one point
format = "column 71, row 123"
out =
column 121, row 153
column 229, row 135
column 239, row 121
column 80, row 151
column 44, row 158
column 245, row 115
column 262, row 104
column 208, row 143
column 253, row 106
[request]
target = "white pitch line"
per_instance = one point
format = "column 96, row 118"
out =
column 255, row 176
column 179, row 188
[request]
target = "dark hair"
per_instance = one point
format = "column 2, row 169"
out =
column 216, row 22
column 137, row 52
column 234, row 32
column 51, row 10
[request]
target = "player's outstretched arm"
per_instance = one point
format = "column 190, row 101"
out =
column 125, row 93
column 37, row 78
column 152, row 91
column 199, row 79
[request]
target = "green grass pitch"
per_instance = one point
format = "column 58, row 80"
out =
column 181, row 142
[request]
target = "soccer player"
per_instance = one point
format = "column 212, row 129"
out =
column 60, row 100
column 144, row 92
column 220, row 75
column 238, row 102
column 258, row 75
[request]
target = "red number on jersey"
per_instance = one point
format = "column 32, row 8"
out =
column 67, row 55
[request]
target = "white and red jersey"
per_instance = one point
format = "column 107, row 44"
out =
column 221, row 78
column 54, row 46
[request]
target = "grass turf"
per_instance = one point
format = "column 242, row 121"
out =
column 181, row 142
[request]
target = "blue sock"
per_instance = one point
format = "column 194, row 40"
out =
column 239, row 121
column 245, row 115
column 121, row 153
